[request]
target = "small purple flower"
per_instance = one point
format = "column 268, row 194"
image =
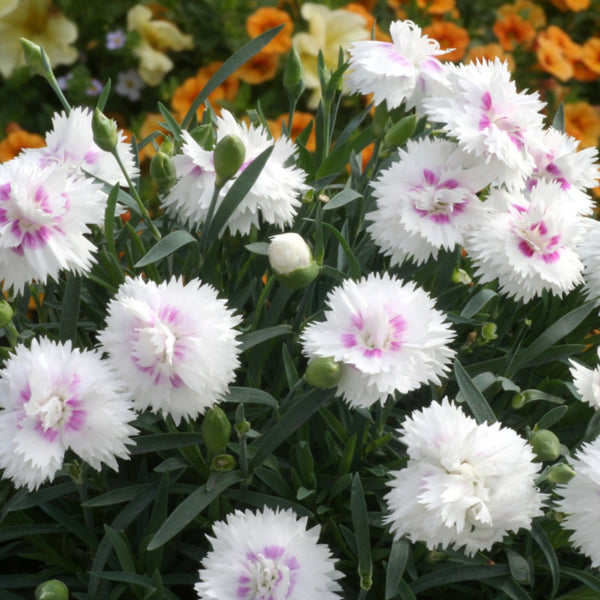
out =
column 115, row 39
column 94, row 88
column 130, row 85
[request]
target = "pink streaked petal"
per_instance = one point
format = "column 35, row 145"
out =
column 273, row 552
column 430, row 177
column 439, row 218
column 449, row 184
column 91, row 157
column 486, row 101
column 48, row 434
column 77, row 420
column 371, row 352
column 349, row 340
column 552, row 257
column 5, row 190
column 168, row 313
column 358, row 321
column 525, row 248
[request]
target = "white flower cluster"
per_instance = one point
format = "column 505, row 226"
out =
column 527, row 233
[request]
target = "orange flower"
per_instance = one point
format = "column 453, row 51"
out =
column 513, row 31
column 261, row 67
column 529, row 11
column 186, row 93
column 449, row 35
column 430, row 7
column 591, row 55
column 266, row 18
column 300, row 122
column 557, row 53
column 582, row 121
column 359, row 9
column 490, row 52
column 16, row 140
column 149, row 126
column 573, row 5
column 561, row 39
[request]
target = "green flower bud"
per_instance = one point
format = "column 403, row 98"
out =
column 163, row 171
column 242, row 428
column 228, row 157
column 460, row 276
column 6, row 313
column 323, row 372
column 399, row 132
column 204, row 136
column 53, row 589
column 292, row 261
column 560, row 473
column 36, row 58
column 518, row 400
column 293, row 75
column 488, row 331
column 546, row 446
column 167, row 147
column 104, row 130
column 223, row 462
column 216, row 429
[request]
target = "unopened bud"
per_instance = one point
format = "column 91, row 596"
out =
column 399, row 132
column 163, row 171
column 216, row 429
column 488, row 331
column 323, row 372
column 6, row 313
column 460, row 276
column 223, row 462
column 291, row 260
column 242, row 428
column 53, row 589
column 204, row 136
column 36, row 58
column 228, row 157
column 545, row 444
column 518, row 400
column 560, row 473
column 293, row 75
column 104, row 131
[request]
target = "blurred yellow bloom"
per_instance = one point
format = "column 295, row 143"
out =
column 39, row 22
column 156, row 37
column 328, row 30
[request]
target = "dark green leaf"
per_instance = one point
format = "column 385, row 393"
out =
column 165, row 247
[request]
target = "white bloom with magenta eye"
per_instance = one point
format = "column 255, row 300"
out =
column 173, row 344
column 426, row 200
column 396, row 71
column 274, row 197
column 44, row 216
column 55, row 398
column 529, row 242
column 386, row 334
column 268, row 554
column 580, row 501
column 586, row 382
column 465, row 485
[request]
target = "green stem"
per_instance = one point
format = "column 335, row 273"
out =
column 51, row 79
column 209, row 216
column 12, row 333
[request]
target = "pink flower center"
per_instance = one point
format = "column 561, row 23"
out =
column 438, row 199
column 536, row 241
column 491, row 118
column 381, row 331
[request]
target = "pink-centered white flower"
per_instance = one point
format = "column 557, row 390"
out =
column 558, row 159
column 386, row 334
column 174, row 345
column 45, row 214
column 274, row 198
column 426, row 201
column 405, row 69
column 71, row 142
column 267, row 555
column 482, row 109
column 465, row 484
column 579, row 500
column 589, row 251
column 56, row 398
column 586, row 382
column 529, row 242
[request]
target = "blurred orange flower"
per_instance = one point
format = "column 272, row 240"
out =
column 529, row 11
column 490, row 52
column 261, row 67
column 512, row 30
column 430, row 7
column 359, row 9
column 16, row 140
column 582, row 121
column 266, row 18
column 186, row 93
column 573, row 5
column 591, row 55
column 557, row 53
column 300, row 122
column 449, row 35
column 149, row 126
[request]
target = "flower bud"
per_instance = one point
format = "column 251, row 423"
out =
column 518, row 400
column 223, row 462
column 293, row 75
column 163, row 171
column 546, row 446
column 53, row 589
column 6, row 313
column 228, row 157
column 216, row 429
column 104, row 130
column 36, row 58
column 460, row 276
column 399, row 132
column 242, row 428
column 488, row 331
column 204, row 136
column 291, row 260
column 323, row 372
column 560, row 473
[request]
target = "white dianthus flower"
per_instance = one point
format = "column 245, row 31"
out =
column 274, row 197
column 386, row 334
column 426, row 201
column 55, row 398
column 580, row 501
column 589, row 251
column 465, row 485
column 174, row 345
column 586, row 382
column 267, row 554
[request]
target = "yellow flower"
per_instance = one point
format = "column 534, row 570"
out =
column 39, row 22
column 156, row 37
column 327, row 31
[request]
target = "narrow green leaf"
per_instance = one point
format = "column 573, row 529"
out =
column 122, row 550
column 477, row 302
column 541, row 539
column 261, row 248
column 552, row 417
column 249, row 340
column 157, row 442
column 340, row 199
column 103, row 97
column 395, row 567
column 250, row 396
column 591, row 581
column 519, row 567
column 360, row 524
column 191, row 507
column 170, row 122
column 559, row 118
column 473, row 397
column 165, row 247
column 456, row 573
column 118, row 496
column 109, row 219
column 14, row 532
column 69, row 314
column 126, row 577
column 510, row 588
column 41, row 496
column 355, row 268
